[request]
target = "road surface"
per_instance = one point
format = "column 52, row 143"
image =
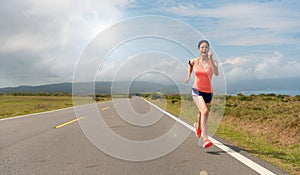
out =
column 32, row 145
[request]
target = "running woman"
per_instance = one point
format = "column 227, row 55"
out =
column 202, row 92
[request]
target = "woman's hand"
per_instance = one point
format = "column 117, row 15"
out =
column 187, row 80
column 210, row 55
column 214, row 64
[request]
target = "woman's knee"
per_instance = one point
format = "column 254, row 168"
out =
column 204, row 112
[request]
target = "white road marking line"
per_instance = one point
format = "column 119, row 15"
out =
column 46, row 112
column 256, row 167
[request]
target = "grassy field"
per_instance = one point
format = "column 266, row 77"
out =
column 21, row 105
column 267, row 126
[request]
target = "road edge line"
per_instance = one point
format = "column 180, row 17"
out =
column 46, row 112
column 33, row 114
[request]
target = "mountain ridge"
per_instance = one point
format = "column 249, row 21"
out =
column 97, row 87
column 107, row 87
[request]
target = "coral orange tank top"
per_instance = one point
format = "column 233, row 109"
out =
column 203, row 76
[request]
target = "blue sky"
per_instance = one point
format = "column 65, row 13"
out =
column 41, row 41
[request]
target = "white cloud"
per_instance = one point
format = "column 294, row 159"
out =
column 53, row 24
column 235, row 61
column 260, row 67
column 48, row 36
column 247, row 23
column 25, row 41
column 51, row 30
column 161, row 66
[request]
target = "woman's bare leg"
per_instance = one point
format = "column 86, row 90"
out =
column 202, row 114
column 199, row 120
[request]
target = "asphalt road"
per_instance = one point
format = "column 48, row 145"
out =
column 32, row 145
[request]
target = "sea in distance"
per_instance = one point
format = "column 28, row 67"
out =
column 289, row 92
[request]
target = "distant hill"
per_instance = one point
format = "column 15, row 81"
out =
column 97, row 87
column 62, row 87
column 144, row 87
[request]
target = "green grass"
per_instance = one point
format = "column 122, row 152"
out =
column 266, row 125
column 285, row 158
column 21, row 105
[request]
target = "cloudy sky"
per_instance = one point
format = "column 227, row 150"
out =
column 41, row 42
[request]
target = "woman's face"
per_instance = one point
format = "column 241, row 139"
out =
column 204, row 48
